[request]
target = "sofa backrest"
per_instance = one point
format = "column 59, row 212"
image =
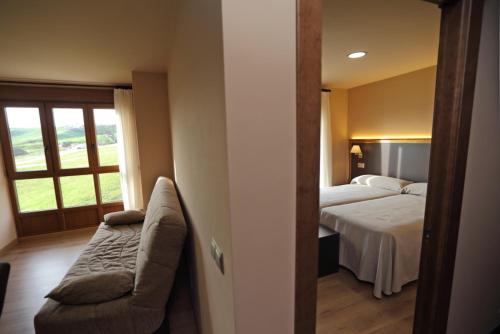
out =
column 162, row 240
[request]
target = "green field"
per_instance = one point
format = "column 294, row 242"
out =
column 38, row 194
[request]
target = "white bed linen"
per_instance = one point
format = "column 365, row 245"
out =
column 351, row 193
column 380, row 239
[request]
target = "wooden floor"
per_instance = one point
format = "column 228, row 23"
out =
column 346, row 305
column 38, row 265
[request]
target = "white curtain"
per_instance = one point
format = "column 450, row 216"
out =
column 325, row 169
column 130, row 169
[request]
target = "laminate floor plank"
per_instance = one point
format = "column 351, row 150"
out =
column 347, row 306
column 37, row 265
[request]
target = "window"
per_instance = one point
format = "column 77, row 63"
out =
column 62, row 162
column 70, row 136
column 35, row 194
column 105, row 128
column 77, row 190
column 110, row 187
column 25, row 132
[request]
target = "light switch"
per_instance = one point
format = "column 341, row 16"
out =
column 217, row 255
column 361, row 165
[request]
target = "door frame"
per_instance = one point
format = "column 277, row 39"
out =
column 455, row 82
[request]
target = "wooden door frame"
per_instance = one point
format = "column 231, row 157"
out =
column 455, row 82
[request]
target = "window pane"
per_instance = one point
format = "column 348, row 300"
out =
column 77, row 190
column 26, row 138
column 35, row 194
column 111, row 190
column 70, row 133
column 105, row 128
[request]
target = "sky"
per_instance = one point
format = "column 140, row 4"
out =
column 22, row 117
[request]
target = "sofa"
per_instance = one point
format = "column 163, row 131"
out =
column 150, row 250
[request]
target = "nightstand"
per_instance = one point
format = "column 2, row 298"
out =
column 328, row 254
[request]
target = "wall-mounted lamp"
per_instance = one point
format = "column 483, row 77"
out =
column 356, row 149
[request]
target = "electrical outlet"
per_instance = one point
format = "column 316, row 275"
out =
column 361, row 165
column 217, row 255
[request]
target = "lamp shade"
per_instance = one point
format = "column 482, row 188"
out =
column 356, row 149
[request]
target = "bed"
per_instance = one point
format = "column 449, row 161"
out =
column 380, row 239
column 362, row 188
column 351, row 193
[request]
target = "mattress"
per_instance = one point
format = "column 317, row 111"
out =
column 380, row 239
column 351, row 193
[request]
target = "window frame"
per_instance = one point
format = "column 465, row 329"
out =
column 85, row 215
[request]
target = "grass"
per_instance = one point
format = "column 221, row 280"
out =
column 36, row 194
column 108, row 156
column 39, row 194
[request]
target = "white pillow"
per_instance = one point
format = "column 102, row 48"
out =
column 362, row 179
column 418, row 189
column 383, row 182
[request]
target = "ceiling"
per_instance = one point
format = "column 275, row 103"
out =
column 90, row 41
column 400, row 36
column 97, row 41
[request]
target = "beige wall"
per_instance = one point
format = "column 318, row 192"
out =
column 153, row 128
column 233, row 131
column 7, row 226
column 339, row 104
column 397, row 107
column 475, row 297
column 261, row 127
column 197, row 107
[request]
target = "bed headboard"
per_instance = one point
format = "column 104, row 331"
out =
column 402, row 158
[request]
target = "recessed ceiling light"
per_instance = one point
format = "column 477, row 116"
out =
column 357, row 54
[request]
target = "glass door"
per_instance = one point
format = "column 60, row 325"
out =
column 62, row 163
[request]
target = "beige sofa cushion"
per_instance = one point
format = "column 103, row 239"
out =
column 111, row 248
column 124, row 217
column 160, row 247
column 93, row 288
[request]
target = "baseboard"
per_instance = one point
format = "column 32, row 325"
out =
column 57, row 234
column 9, row 246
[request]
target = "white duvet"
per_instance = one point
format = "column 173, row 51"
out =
column 380, row 239
column 350, row 193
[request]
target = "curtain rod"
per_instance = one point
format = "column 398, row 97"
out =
column 326, row 90
column 67, row 85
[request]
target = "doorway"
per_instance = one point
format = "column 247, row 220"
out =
column 455, row 79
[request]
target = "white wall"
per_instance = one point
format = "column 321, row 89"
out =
column 198, row 119
column 259, row 66
column 475, row 298
column 7, row 226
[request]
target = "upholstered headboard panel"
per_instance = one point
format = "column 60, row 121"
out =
column 405, row 159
